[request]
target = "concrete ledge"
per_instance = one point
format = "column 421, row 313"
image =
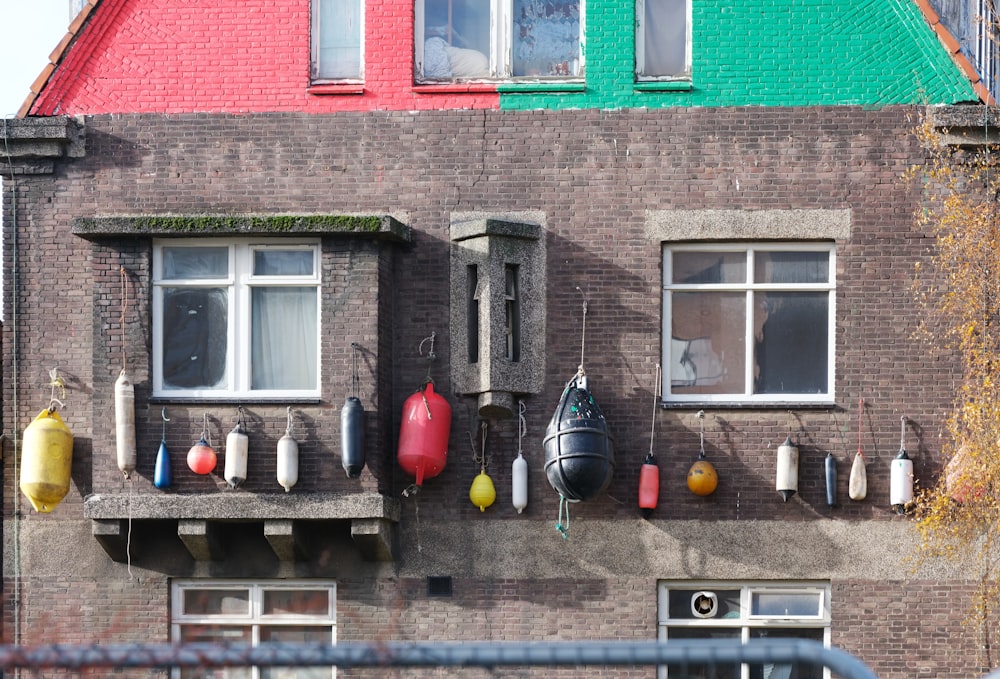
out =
column 966, row 125
column 375, row 539
column 382, row 227
column 280, row 535
column 32, row 145
column 685, row 225
column 239, row 506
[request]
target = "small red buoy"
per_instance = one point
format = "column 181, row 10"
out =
column 649, row 485
column 201, row 458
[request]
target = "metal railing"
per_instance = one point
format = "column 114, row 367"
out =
column 482, row 654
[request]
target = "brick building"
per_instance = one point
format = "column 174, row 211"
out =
column 257, row 210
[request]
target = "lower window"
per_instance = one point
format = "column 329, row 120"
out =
column 224, row 612
column 744, row 611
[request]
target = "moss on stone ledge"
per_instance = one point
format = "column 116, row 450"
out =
column 189, row 225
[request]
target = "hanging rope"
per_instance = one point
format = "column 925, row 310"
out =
column 656, row 398
column 124, row 275
column 205, row 434
column 480, row 458
column 430, row 355
column 563, row 526
column 861, row 410
column 355, row 381
column 902, row 433
column 701, row 445
column 583, row 336
column 522, row 425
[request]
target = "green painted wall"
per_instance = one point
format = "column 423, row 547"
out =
column 768, row 53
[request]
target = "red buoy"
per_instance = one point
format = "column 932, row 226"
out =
column 424, row 433
column 649, row 485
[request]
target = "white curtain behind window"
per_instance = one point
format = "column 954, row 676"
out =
column 283, row 338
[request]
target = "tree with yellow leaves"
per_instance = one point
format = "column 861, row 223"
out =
column 959, row 517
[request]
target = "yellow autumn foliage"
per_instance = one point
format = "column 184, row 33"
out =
column 959, row 288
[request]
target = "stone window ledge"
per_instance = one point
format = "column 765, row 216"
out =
column 373, row 519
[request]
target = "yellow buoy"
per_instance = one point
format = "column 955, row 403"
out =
column 482, row 493
column 46, row 459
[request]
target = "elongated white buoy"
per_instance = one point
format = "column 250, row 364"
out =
column 125, row 424
column 237, row 452
column 288, row 457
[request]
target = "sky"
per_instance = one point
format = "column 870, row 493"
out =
column 29, row 31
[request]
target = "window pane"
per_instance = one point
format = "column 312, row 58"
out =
column 792, row 267
column 216, row 634
column 707, row 345
column 340, row 38
column 282, row 262
column 456, row 38
column 216, row 602
column 680, row 603
column 195, row 337
column 785, row 604
column 195, row 263
column 283, row 338
column 665, row 37
column 698, row 268
column 546, row 37
column 298, row 601
column 296, row 634
column 707, row 670
column 786, row 670
column 790, row 342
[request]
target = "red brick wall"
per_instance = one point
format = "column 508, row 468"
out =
column 231, row 56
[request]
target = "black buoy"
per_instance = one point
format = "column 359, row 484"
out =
column 579, row 455
column 352, row 436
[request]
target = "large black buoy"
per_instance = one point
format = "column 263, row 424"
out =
column 579, row 455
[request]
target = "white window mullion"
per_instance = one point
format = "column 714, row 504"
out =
column 501, row 28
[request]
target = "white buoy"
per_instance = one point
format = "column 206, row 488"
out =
column 787, row 478
column 857, row 487
column 288, row 457
column 519, row 483
column 125, row 424
column 237, row 453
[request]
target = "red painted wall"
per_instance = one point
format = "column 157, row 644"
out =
column 232, row 56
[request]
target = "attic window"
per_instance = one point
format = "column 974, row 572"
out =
column 337, row 40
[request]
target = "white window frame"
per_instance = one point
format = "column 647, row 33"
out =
column 240, row 283
column 640, row 46
column 749, row 287
column 746, row 622
column 254, row 618
column 501, row 53
column 316, row 43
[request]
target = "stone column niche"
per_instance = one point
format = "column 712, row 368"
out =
column 497, row 308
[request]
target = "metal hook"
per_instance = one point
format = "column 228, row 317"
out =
column 52, row 408
column 420, row 348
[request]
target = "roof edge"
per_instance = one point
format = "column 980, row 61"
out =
column 57, row 55
column 954, row 49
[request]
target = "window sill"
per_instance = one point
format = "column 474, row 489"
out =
column 664, row 86
column 347, row 88
column 745, row 405
column 231, row 400
column 562, row 86
column 456, row 88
